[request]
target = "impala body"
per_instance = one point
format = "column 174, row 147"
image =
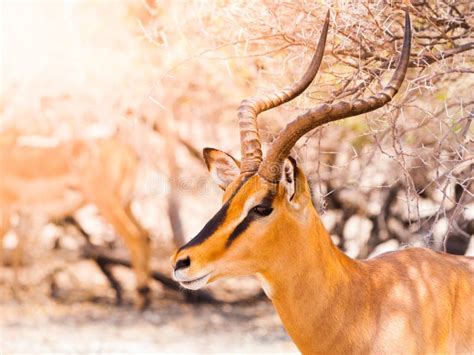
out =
column 411, row 301
column 56, row 180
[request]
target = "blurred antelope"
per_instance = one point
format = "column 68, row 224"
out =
column 411, row 301
column 57, row 180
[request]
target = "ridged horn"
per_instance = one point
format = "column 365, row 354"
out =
column 271, row 167
column 249, row 109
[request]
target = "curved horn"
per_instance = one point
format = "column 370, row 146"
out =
column 271, row 167
column 249, row 109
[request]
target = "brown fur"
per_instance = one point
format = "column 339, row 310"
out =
column 413, row 301
column 56, row 181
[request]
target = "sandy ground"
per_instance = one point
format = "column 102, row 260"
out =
column 86, row 321
column 166, row 328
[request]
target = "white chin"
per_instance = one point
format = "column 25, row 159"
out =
column 196, row 284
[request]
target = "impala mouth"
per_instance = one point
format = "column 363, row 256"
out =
column 193, row 284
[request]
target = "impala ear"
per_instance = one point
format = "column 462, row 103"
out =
column 223, row 168
column 288, row 179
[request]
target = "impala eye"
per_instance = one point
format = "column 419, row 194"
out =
column 262, row 210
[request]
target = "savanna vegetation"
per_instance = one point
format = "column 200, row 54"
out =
column 164, row 78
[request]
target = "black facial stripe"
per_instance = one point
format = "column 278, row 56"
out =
column 209, row 228
column 213, row 224
column 242, row 226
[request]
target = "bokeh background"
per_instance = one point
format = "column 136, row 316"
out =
column 165, row 77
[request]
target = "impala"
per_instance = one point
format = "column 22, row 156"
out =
column 410, row 301
column 58, row 179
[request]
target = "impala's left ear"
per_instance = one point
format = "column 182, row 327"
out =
column 288, row 179
column 223, row 167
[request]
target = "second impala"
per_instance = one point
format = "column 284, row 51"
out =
column 57, row 180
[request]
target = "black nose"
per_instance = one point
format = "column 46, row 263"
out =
column 182, row 263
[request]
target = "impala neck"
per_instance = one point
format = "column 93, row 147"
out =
column 310, row 284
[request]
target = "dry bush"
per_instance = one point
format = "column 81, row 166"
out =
column 401, row 171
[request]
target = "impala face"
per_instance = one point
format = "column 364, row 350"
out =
column 244, row 236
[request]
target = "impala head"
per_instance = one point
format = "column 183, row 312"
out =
column 267, row 202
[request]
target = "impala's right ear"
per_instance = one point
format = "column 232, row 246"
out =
column 223, row 168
